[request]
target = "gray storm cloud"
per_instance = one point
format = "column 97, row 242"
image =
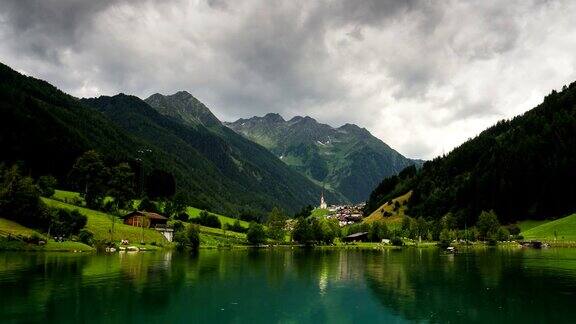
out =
column 422, row 75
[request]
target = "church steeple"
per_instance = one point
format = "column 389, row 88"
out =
column 323, row 204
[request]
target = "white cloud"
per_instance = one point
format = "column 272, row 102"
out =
column 422, row 75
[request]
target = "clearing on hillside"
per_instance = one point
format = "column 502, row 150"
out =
column 564, row 228
column 319, row 212
column 13, row 228
column 195, row 212
column 395, row 218
column 100, row 224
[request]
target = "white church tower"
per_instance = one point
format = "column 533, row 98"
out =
column 323, row 204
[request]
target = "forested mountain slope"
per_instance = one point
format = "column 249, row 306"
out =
column 524, row 168
column 347, row 159
column 232, row 171
column 46, row 130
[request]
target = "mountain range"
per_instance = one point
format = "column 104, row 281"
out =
column 347, row 159
column 45, row 130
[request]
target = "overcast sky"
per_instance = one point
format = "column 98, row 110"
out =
column 423, row 76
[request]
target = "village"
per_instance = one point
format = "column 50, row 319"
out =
column 345, row 214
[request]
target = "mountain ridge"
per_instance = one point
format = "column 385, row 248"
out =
column 45, row 130
column 347, row 159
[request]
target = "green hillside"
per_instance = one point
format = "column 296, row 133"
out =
column 319, row 212
column 395, row 215
column 521, row 168
column 564, row 228
column 195, row 212
column 46, row 130
column 100, row 223
column 530, row 223
column 10, row 228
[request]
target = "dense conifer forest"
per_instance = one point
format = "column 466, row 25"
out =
column 523, row 168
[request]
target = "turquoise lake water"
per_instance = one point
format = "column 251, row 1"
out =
column 291, row 286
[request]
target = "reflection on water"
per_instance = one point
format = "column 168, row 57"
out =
column 290, row 285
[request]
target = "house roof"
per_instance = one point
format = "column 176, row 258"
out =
column 146, row 214
column 356, row 235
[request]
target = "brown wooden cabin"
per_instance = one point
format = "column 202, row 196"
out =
column 144, row 219
column 356, row 237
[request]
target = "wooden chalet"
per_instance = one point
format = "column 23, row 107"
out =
column 145, row 219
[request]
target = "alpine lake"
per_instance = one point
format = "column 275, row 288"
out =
column 291, row 285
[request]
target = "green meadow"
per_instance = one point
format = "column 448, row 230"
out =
column 100, row 223
column 563, row 229
column 318, row 212
column 10, row 228
column 195, row 212
column 71, row 197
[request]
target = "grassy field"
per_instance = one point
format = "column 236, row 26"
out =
column 13, row 228
column 529, row 224
column 565, row 228
column 70, row 197
column 318, row 212
column 100, row 223
column 195, row 212
column 395, row 220
column 8, row 227
column 66, row 195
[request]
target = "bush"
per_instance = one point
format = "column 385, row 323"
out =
column 46, row 185
column 488, row 225
column 77, row 201
column 188, row 238
column 277, row 224
column 514, row 229
column 65, row 222
column 147, row 205
column 20, row 199
column 236, row 227
column 503, row 234
column 109, row 207
column 256, row 234
column 182, row 217
column 378, row 231
column 397, row 241
column 86, row 237
column 207, row 219
column 178, row 226
column 311, row 231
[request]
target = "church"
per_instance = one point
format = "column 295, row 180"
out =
column 323, row 204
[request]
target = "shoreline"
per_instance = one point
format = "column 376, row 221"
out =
column 77, row 247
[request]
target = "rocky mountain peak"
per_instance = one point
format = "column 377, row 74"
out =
column 184, row 106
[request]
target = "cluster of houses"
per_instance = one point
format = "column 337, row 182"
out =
column 346, row 214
